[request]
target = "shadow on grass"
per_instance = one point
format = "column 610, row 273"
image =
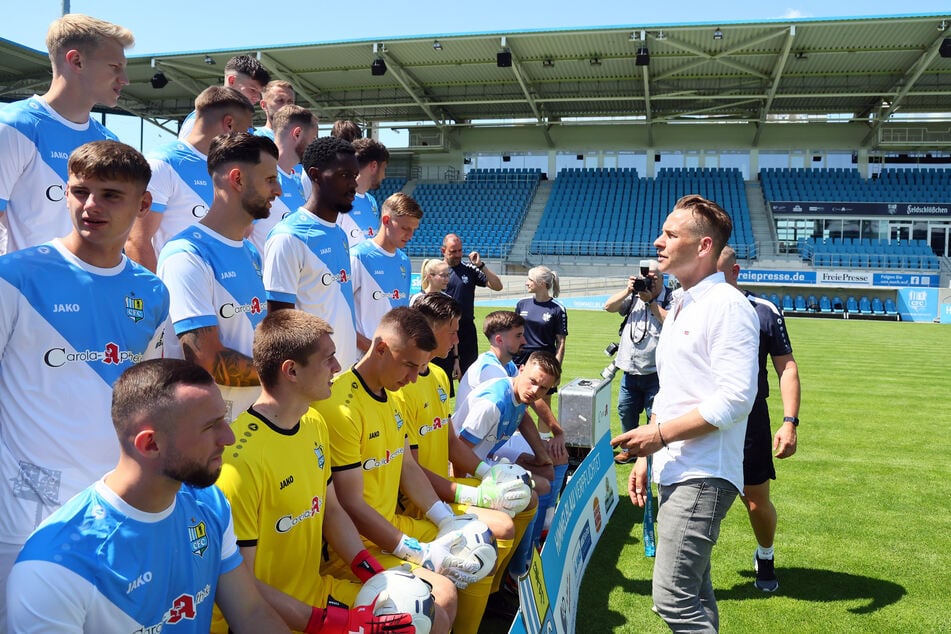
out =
column 822, row 586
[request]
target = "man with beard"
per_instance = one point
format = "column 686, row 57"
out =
column 214, row 275
column 181, row 191
column 307, row 260
column 294, row 129
column 152, row 542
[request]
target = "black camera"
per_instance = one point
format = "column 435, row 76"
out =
column 643, row 284
column 611, row 350
column 609, row 372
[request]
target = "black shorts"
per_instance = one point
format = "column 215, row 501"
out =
column 758, row 450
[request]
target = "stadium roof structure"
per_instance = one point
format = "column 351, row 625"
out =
column 861, row 69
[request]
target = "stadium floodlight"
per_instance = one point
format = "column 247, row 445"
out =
column 159, row 80
column 718, row 34
column 209, row 60
column 437, row 45
column 378, row 67
column 643, row 57
column 503, row 59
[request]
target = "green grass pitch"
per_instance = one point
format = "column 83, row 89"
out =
column 864, row 538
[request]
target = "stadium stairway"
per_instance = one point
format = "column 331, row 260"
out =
column 761, row 222
column 519, row 252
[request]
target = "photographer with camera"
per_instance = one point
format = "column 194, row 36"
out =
column 643, row 303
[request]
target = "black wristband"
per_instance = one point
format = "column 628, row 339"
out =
column 480, row 265
column 791, row 419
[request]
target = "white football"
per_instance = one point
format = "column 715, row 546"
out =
column 398, row 590
column 479, row 543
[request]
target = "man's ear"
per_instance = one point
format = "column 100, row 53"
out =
column 145, row 443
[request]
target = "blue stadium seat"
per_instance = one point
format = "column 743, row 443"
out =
column 775, row 299
column 825, row 304
column 800, row 303
column 788, row 302
column 851, row 304
column 890, row 307
column 865, row 306
column 878, row 308
column 837, row 306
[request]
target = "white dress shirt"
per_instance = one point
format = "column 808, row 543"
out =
column 707, row 360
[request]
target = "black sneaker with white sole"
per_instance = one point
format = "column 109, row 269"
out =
column 765, row 574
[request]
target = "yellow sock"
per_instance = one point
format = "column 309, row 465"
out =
column 521, row 521
column 472, row 602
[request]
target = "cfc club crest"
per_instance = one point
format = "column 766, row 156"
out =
column 319, row 452
column 134, row 308
column 198, row 536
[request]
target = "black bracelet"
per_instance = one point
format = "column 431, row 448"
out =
column 662, row 441
column 481, row 266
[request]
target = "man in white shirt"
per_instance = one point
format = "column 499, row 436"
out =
column 38, row 134
column 707, row 367
column 181, row 188
column 214, row 275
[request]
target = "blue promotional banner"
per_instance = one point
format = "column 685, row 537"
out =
column 760, row 276
column 824, row 208
column 946, row 313
column 549, row 592
column 918, row 304
column 905, row 279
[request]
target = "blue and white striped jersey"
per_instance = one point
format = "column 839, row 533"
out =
column 489, row 416
column 100, row 565
column 35, row 144
column 67, row 331
column 381, row 281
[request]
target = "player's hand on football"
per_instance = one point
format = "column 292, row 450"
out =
column 338, row 619
column 637, row 484
column 437, row 556
column 784, row 443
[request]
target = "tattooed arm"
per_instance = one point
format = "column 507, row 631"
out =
column 228, row 367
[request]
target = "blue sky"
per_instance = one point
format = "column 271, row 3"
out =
column 225, row 24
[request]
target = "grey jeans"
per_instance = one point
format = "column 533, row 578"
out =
column 688, row 525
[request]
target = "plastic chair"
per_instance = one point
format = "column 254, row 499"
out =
column 865, row 306
column 851, row 304
column 800, row 303
column 890, row 307
column 825, row 305
column 878, row 308
column 787, row 302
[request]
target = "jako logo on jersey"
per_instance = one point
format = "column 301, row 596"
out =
column 55, row 193
column 288, row 522
column 201, row 183
column 198, row 535
column 438, row 423
column 325, row 250
column 341, row 278
column 228, row 275
column 374, row 434
column 134, row 308
column 227, row 311
column 378, row 295
column 111, row 354
column 59, row 155
column 65, row 308
column 142, row 579
column 372, row 463
column 199, row 211
column 289, row 480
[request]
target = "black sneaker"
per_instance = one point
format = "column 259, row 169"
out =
column 765, row 574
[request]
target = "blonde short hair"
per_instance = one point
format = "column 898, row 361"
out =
column 84, row 33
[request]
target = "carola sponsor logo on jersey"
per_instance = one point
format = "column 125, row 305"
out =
column 110, row 354
column 327, row 279
column 184, row 607
column 438, row 423
column 379, row 295
column 372, row 463
column 229, row 310
column 287, row 522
